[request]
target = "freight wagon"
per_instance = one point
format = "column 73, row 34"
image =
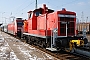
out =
column 4, row 28
column 81, row 26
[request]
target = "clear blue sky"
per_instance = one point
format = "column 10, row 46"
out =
column 19, row 8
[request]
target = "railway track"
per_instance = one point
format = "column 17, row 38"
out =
column 84, row 51
column 62, row 55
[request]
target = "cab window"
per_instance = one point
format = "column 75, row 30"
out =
column 30, row 15
column 37, row 13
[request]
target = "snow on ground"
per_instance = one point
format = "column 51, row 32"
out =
column 13, row 56
column 28, row 53
column 5, row 52
column 24, row 50
column 31, row 53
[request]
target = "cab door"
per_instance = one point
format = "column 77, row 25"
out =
column 66, row 25
column 63, row 28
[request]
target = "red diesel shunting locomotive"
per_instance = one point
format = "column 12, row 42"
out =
column 53, row 30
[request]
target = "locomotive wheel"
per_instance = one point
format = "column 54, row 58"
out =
column 48, row 45
column 26, row 39
column 41, row 44
column 36, row 41
column 30, row 41
column 85, row 40
column 44, row 44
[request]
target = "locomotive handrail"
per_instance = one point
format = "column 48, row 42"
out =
column 46, row 26
column 52, row 32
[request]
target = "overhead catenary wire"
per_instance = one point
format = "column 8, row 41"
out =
column 19, row 6
column 25, row 7
column 36, row 5
column 68, row 3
